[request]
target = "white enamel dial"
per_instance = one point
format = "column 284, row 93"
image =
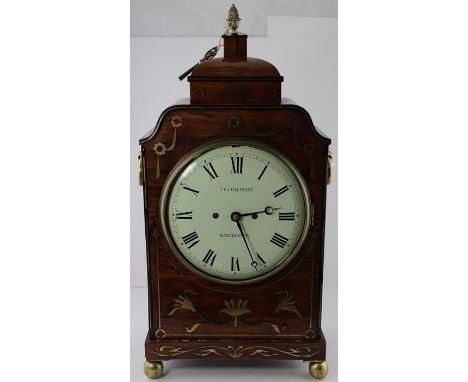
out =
column 235, row 211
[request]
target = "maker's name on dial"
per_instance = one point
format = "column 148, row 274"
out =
column 237, row 189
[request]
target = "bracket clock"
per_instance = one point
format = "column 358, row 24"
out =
column 234, row 183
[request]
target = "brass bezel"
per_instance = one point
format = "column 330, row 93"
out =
column 195, row 153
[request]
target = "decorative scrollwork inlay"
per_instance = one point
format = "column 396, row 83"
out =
column 294, row 123
column 234, row 122
column 161, row 149
column 235, row 352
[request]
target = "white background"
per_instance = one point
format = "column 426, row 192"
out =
column 205, row 18
column 64, row 149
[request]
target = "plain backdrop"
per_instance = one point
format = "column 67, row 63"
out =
column 205, row 18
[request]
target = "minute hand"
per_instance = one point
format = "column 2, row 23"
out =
column 239, row 225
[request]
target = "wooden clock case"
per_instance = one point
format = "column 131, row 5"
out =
column 189, row 316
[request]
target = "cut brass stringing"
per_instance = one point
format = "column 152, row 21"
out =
column 238, row 352
column 161, row 149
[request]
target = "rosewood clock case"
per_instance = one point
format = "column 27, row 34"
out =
column 278, row 317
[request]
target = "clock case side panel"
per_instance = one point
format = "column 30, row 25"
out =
column 232, row 125
column 148, row 229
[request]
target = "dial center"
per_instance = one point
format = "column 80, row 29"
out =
column 236, row 216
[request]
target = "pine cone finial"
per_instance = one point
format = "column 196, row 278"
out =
column 233, row 20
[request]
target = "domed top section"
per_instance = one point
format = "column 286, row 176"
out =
column 251, row 67
column 235, row 79
column 235, row 62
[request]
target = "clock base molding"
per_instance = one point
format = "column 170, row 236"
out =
column 313, row 351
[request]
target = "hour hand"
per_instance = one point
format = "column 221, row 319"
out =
column 268, row 210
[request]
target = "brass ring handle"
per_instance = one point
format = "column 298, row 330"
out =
column 329, row 167
column 140, row 169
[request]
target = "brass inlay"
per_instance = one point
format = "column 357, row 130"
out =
column 234, row 121
column 310, row 333
column 287, row 303
column 275, row 327
column 192, row 328
column 161, row 149
column 234, row 309
column 232, row 335
column 182, row 302
column 177, row 121
column 160, row 333
column 312, row 249
column 159, row 292
column 294, row 124
column 235, row 352
column 140, row 169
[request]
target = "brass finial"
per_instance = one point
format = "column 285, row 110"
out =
column 233, row 20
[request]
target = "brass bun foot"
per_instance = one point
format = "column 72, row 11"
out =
column 318, row 370
column 154, row 369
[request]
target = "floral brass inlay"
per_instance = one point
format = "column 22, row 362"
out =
column 287, row 303
column 161, row 149
column 234, row 309
column 177, row 121
column 235, row 352
column 182, row 302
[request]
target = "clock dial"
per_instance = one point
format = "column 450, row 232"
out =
column 235, row 211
